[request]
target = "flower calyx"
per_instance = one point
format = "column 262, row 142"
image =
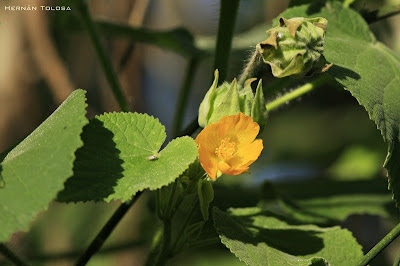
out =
column 294, row 48
column 230, row 99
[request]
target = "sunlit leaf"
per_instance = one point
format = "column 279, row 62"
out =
column 259, row 237
column 36, row 169
column 121, row 156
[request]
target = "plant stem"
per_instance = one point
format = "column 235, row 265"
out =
column 106, row 231
column 382, row 13
column 380, row 246
column 102, row 55
column 184, row 95
column 171, row 199
column 11, row 255
column 251, row 68
column 296, row 93
column 226, row 26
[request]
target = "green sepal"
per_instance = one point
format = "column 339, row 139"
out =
column 246, row 97
column 206, row 105
column 206, row 196
column 226, row 102
column 259, row 112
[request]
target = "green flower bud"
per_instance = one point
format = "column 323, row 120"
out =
column 230, row 99
column 295, row 47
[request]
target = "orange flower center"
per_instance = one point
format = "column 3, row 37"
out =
column 226, row 150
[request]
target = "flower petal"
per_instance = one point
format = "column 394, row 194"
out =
column 240, row 127
column 236, row 132
column 229, row 170
column 246, row 155
column 208, row 161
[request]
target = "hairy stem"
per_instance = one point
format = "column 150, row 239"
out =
column 6, row 252
column 296, row 93
column 184, row 95
column 226, row 26
column 106, row 231
column 251, row 68
column 102, row 55
column 380, row 246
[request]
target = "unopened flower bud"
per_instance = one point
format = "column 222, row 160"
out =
column 230, row 99
column 295, row 47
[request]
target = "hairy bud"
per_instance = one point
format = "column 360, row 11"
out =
column 295, row 47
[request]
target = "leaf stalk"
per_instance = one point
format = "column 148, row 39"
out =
column 381, row 245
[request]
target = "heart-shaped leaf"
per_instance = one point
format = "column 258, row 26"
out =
column 121, row 156
column 36, row 169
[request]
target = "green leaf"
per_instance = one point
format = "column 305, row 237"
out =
column 121, row 156
column 370, row 71
column 36, row 169
column 327, row 201
column 259, row 237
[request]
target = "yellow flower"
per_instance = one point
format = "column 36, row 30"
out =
column 229, row 146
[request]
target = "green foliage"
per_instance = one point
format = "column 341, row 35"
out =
column 121, row 156
column 369, row 70
column 36, row 169
column 259, row 237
